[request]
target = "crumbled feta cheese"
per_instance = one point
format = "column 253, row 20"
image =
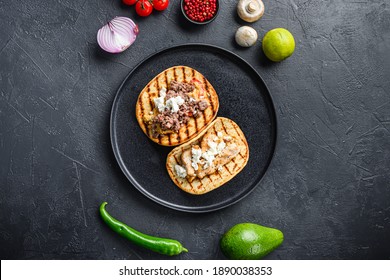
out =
column 195, row 159
column 220, row 168
column 212, row 147
column 159, row 102
column 163, row 92
column 209, row 158
column 219, row 134
column 220, row 147
column 174, row 103
column 181, row 172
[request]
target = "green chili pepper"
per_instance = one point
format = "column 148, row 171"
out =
column 160, row 245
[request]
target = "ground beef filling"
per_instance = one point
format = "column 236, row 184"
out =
column 173, row 121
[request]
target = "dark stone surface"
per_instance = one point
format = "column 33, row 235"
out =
column 327, row 189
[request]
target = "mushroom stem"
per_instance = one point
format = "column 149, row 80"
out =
column 251, row 7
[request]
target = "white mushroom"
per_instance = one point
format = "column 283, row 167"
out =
column 250, row 10
column 246, row 36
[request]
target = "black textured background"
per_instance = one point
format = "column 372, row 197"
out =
column 327, row 189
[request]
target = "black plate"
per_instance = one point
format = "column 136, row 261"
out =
column 244, row 98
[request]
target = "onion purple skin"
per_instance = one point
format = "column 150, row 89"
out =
column 117, row 35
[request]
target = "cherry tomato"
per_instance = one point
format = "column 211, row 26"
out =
column 160, row 5
column 129, row 2
column 143, row 8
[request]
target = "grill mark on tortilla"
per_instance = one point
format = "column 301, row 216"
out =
column 170, row 135
column 140, row 104
column 208, row 177
column 200, row 183
column 157, row 85
column 206, row 84
column 139, row 111
column 166, row 78
column 193, row 73
column 178, row 138
column 187, row 133
column 177, row 162
column 235, row 164
column 196, row 124
column 150, row 99
column 243, row 144
column 227, row 169
column 215, row 130
column 184, row 73
column 201, row 186
column 166, row 84
column 142, row 109
column 204, row 120
column 239, row 154
column 224, row 128
column 235, row 129
column 206, row 95
column 151, row 106
column 213, row 104
column 192, row 187
column 243, row 156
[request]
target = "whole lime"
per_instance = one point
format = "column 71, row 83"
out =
column 278, row 44
column 249, row 241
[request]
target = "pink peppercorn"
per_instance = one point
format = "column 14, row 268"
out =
column 200, row 10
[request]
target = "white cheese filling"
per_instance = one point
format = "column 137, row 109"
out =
column 172, row 104
column 181, row 172
column 207, row 158
column 159, row 102
column 195, row 159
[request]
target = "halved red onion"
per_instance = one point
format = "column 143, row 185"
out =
column 117, row 35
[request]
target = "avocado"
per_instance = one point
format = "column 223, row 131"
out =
column 247, row 241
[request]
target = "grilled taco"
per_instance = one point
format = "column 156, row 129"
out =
column 176, row 106
column 209, row 160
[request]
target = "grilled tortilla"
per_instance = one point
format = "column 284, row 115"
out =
column 146, row 111
column 226, row 129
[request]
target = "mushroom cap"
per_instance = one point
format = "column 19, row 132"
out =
column 250, row 10
column 246, row 36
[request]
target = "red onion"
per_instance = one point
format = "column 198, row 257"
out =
column 117, row 35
